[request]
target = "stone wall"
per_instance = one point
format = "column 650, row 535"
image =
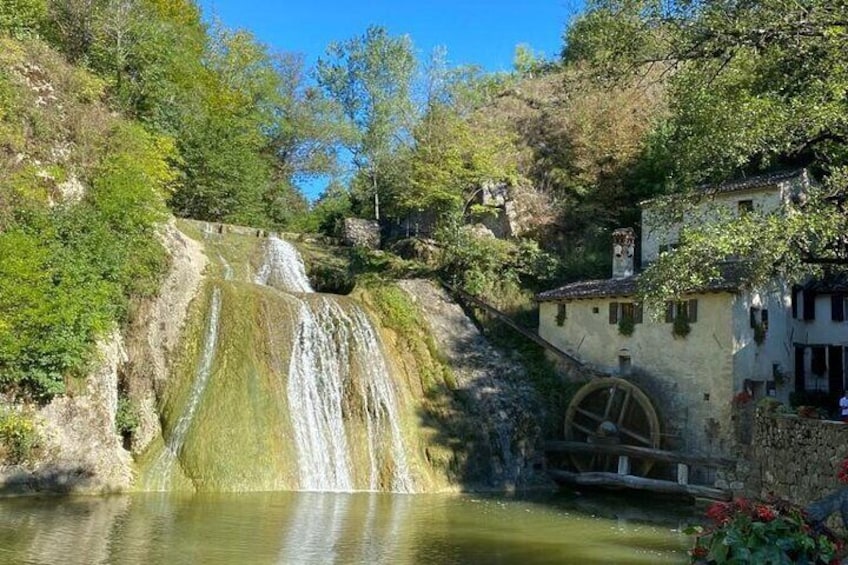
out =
column 798, row 457
column 357, row 231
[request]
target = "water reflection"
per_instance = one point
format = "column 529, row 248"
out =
column 311, row 528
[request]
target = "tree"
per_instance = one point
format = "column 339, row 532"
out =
column 752, row 86
column 370, row 79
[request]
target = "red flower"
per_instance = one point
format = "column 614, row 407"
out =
column 764, row 513
column 699, row 551
column 719, row 512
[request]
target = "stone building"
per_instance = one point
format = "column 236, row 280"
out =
column 703, row 350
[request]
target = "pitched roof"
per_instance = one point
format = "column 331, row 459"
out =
column 592, row 289
column 754, row 181
column 728, row 281
column 829, row 284
column 737, row 185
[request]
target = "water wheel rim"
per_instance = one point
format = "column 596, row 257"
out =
column 613, row 423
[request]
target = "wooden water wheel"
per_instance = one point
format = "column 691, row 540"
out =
column 611, row 411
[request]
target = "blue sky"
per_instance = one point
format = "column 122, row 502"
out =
column 481, row 32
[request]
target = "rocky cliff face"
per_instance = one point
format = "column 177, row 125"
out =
column 80, row 450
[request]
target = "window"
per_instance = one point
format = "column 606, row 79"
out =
column 666, row 247
column 619, row 310
column 686, row 308
column 562, row 314
column 794, row 300
column 759, row 317
column 818, row 361
column 745, row 206
column 595, row 310
column 837, row 307
column 809, row 298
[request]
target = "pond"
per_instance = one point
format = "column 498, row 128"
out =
column 306, row 528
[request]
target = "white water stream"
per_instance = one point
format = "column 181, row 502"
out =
column 162, row 468
column 330, row 340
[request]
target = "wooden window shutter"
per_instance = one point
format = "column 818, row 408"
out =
column 637, row 313
column 809, row 304
column 764, row 318
column 669, row 312
column 752, row 316
column 837, row 307
column 693, row 310
column 613, row 312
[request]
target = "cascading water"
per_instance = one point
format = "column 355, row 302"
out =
column 161, row 471
column 331, row 339
column 283, row 267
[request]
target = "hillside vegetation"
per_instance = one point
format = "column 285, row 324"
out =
column 115, row 112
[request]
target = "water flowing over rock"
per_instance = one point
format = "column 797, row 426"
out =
column 160, row 474
column 336, row 354
column 283, row 267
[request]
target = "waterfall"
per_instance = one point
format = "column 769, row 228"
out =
column 283, row 267
column 333, row 338
column 160, row 472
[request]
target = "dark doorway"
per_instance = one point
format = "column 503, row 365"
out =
column 800, row 380
column 835, row 379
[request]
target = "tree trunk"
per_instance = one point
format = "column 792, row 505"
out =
column 376, row 197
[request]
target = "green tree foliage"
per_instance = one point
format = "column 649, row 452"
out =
column 494, row 268
column 22, row 18
column 370, row 78
column 751, row 86
column 70, row 268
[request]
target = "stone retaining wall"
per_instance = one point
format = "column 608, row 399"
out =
column 798, row 458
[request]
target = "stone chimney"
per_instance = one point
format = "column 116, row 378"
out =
column 623, row 248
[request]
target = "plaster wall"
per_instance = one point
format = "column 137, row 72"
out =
column 658, row 229
column 756, row 361
column 822, row 330
column 690, row 380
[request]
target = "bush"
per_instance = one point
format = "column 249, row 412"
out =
column 18, row 437
column 755, row 532
column 127, row 417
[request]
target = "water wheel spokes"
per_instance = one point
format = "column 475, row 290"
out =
column 611, row 411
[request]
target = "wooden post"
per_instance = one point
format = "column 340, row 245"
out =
column 682, row 474
column 623, row 465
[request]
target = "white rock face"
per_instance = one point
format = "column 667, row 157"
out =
column 83, row 453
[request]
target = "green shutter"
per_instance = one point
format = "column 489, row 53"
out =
column 693, row 310
column 669, row 312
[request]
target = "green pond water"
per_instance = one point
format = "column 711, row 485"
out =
column 306, row 528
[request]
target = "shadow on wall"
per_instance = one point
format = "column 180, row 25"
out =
column 17, row 480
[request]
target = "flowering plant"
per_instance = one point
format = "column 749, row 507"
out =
column 742, row 531
column 842, row 474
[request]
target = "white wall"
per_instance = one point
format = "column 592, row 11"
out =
column 755, row 361
column 658, row 230
column 822, row 330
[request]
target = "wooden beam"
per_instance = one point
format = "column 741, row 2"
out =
column 682, row 474
column 638, row 483
column 636, row 452
column 623, row 465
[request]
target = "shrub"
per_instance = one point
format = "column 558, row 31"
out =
column 626, row 325
column 18, row 437
column 126, row 417
column 681, row 327
column 761, row 532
